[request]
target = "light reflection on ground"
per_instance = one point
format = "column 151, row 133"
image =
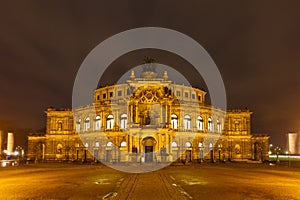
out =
column 207, row 181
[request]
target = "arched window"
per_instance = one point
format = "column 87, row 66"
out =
column 123, row 144
column 78, row 123
column 174, row 121
column 110, row 122
column 86, row 144
column 59, row 148
column 174, row 144
column 59, row 125
column 219, row 126
column 211, row 145
column 188, row 145
column 87, row 124
column 97, row 123
column 236, row 125
column 200, row 123
column 123, row 121
column 187, row 122
column 237, row 148
column 210, row 124
column 109, row 144
column 97, row 144
column 200, row 144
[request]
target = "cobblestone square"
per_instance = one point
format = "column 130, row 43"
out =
column 207, row 181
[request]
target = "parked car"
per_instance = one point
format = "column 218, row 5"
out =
column 5, row 163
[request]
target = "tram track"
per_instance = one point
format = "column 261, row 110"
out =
column 153, row 185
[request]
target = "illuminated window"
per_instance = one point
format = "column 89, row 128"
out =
column 188, row 145
column 110, row 122
column 174, row 144
column 210, row 145
column 87, row 124
column 236, row 125
column 200, row 144
column 210, row 124
column 200, row 123
column 109, row 144
column 78, row 123
column 187, row 122
column 86, row 144
column 59, row 125
column 123, row 121
column 174, row 121
column 97, row 144
column 59, row 148
column 97, row 123
column 219, row 126
column 237, row 148
column 123, row 144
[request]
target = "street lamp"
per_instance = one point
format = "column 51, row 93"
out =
column 270, row 146
column 277, row 151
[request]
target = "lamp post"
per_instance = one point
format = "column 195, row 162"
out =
column 270, row 146
column 277, row 150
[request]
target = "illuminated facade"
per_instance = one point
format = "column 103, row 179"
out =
column 148, row 119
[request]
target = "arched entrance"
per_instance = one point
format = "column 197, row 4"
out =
column 149, row 146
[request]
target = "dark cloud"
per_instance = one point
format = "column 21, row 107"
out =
column 255, row 44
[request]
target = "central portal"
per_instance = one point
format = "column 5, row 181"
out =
column 149, row 144
column 148, row 153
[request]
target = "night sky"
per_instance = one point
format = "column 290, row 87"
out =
column 255, row 45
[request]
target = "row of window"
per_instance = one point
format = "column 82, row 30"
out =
column 111, row 94
column 97, row 123
column 174, row 122
column 199, row 123
column 189, row 144
column 120, row 93
column 109, row 144
column 174, row 144
column 186, row 95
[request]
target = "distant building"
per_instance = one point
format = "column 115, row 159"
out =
column 150, row 118
column 10, row 144
column 293, row 143
column 6, row 143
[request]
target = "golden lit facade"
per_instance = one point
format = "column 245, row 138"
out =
column 148, row 119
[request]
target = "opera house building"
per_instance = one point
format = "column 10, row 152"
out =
column 148, row 118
